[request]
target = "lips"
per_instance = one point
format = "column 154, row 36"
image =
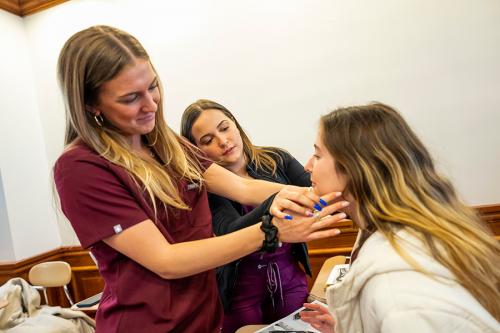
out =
column 147, row 118
column 228, row 151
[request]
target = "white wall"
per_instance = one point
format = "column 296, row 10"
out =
column 6, row 246
column 27, row 218
column 279, row 65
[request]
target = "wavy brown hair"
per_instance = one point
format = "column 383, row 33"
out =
column 264, row 158
column 392, row 177
column 89, row 59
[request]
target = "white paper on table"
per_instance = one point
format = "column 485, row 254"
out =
column 292, row 322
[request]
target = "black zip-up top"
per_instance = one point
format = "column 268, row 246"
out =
column 227, row 216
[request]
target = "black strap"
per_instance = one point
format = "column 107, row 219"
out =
column 271, row 241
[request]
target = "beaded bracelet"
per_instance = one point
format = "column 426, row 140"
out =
column 271, row 241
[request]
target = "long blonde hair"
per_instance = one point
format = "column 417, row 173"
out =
column 264, row 158
column 92, row 57
column 392, row 177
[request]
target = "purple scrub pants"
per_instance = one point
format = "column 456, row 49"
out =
column 268, row 288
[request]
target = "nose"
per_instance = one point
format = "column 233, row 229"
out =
column 151, row 100
column 309, row 165
column 223, row 141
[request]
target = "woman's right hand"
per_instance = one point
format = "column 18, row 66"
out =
column 304, row 229
column 319, row 317
column 299, row 200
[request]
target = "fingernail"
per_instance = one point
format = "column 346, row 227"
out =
column 345, row 203
column 337, row 231
column 323, row 202
column 318, row 207
column 309, row 213
column 343, row 216
column 338, row 194
column 288, row 217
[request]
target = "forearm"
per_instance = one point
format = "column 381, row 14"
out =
column 243, row 190
column 225, row 218
column 189, row 258
column 255, row 191
column 147, row 246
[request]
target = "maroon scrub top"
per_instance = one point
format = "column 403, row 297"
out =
column 100, row 198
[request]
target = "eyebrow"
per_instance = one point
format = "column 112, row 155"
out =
column 208, row 135
column 223, row 120
column 155, row 80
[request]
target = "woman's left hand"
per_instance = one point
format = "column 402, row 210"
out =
column 319, row 317
column 305, row 229
column 299, row 200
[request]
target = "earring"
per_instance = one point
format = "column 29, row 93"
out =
column 99, row 120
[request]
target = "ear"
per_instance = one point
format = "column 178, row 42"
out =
column 92, row 110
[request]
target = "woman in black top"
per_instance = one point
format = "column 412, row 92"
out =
column 259, row 288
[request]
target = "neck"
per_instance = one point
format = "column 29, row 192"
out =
column 353, row 213
column 135, row 142
column 139, row 147
column 239, row 168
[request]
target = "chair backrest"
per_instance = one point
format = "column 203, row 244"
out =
column 250, row 328
column 50, row 274
column 318, row 288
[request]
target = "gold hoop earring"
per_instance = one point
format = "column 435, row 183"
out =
column 99, row 120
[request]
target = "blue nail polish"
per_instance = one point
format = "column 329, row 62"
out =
column 318, row 207
column 323, row 202
column 288, row 217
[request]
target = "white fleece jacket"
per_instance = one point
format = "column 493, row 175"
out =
column 383, row 293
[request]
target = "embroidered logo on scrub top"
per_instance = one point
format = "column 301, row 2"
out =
column 118, row 229
column 192, row 186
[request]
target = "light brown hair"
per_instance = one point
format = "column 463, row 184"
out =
column 262, row 157
column 92, row 57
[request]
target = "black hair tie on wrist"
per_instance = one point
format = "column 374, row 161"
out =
column 271, row 241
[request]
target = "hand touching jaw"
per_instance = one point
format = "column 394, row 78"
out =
column 321, row 224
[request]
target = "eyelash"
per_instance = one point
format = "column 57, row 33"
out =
column 133, row 97
column 206, row 142
column 130, row 99
column 210, row 140
column 153, row 86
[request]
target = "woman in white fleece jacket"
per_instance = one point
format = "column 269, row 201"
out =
column 423, row 262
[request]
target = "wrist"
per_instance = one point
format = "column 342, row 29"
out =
column 271, row 241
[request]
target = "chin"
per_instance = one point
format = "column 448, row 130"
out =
column 148, row 129
column 317, row 190
column 322, row 191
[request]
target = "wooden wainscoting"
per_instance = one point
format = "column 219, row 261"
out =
column 491, row 215
column 320, row 250
column 85, row 280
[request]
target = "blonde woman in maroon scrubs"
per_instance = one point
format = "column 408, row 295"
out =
column 136, row 194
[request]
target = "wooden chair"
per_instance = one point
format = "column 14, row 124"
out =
column 319, row 285
column 51, row 274
column 249, row 328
